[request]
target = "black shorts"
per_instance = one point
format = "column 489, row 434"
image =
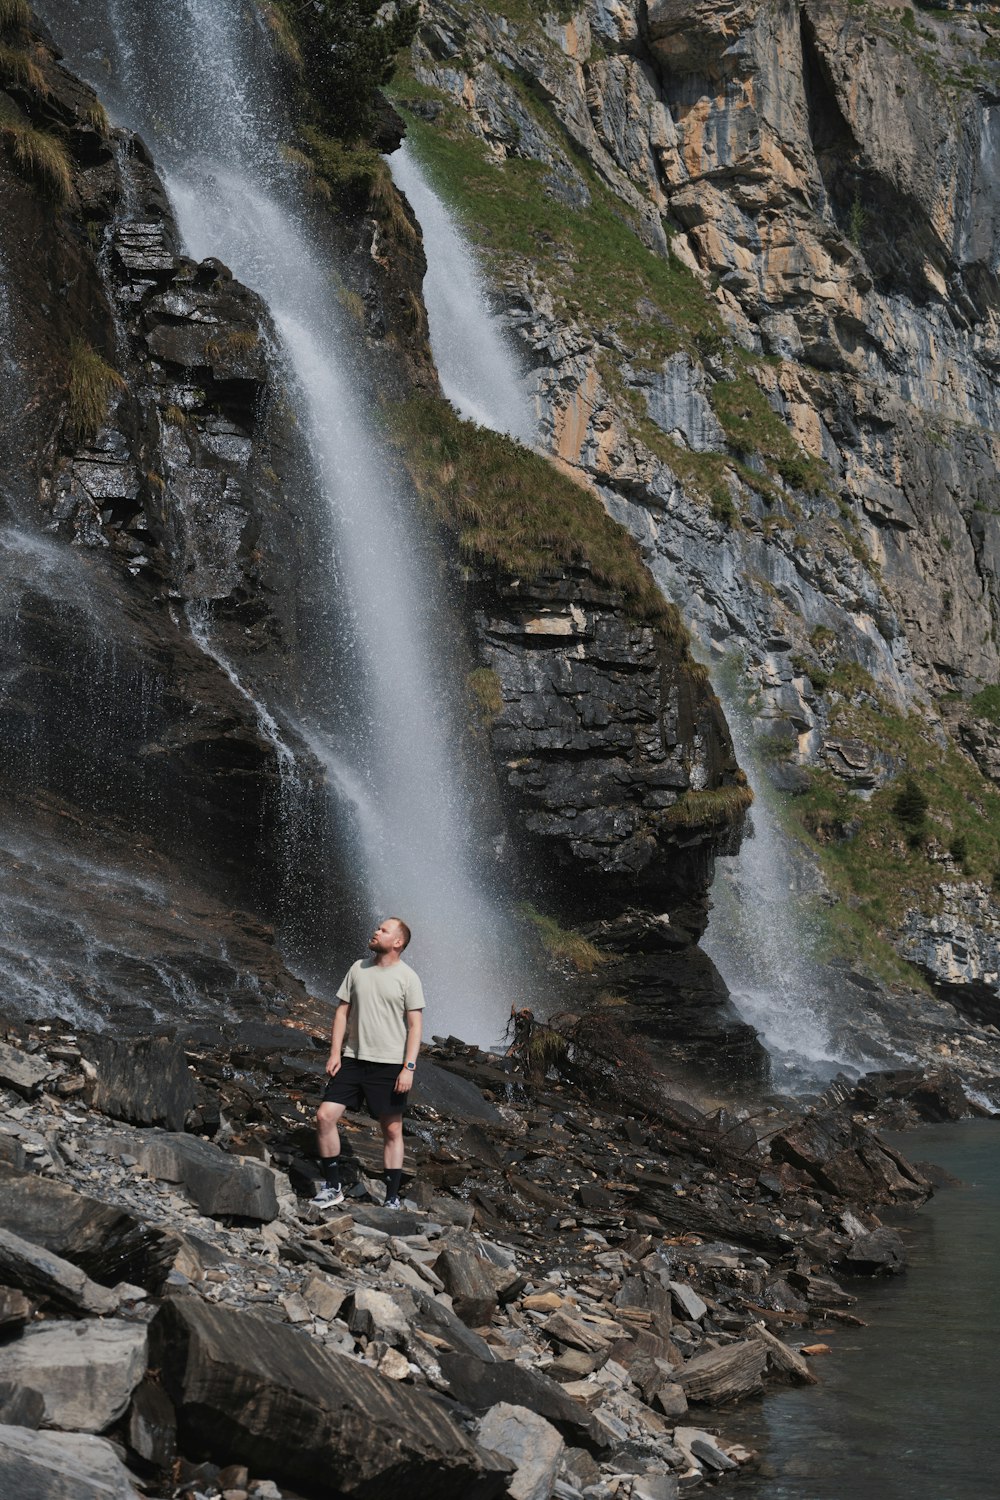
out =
column 371, row 1083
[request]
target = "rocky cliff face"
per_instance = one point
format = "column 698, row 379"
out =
column 159, row 598
column 147, row 539
column 794, row 411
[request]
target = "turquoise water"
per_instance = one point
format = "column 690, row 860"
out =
column 909, row 1407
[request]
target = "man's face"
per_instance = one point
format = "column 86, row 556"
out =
column 385, row 938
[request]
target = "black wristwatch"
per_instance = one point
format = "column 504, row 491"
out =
column 410, row 1066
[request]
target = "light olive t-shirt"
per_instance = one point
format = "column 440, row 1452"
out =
column 379, row 996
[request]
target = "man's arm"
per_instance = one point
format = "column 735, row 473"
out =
column 414, row 1030
column 337, row 1034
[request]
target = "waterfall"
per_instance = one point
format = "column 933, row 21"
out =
column 760, row 939
column 197, row 618
column 471, row 350
column 194, row 78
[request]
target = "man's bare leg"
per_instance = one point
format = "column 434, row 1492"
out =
column 392, row 1154
column 328, row 1117
column 328, row 1144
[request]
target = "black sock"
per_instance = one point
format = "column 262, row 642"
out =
column 393, row 1178
column 330, row 1166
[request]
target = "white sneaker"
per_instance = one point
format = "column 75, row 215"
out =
column 392, row 1203
column 328, row 1197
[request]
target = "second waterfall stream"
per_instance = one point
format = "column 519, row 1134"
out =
column 195, row 79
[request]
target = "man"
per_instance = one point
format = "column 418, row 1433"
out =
column 373, row 1055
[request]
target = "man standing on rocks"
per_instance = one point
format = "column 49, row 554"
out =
column 373, row 1055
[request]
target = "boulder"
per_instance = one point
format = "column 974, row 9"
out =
column 456, row 1098
column 86, row 1372
column 376, row 1315
column 646, row 1293
column 106, row 1242
column 61, row 1466
column 845, row 1158
column 242, row 1385
column 152, row 1425
column 725, row 1374
column 220, row 1185
column 21, row 1071
column 703, row 1449
column 876, row 1251
column 530, row 1443
column 472, row 1289
column 436, row 1318
column 688, row 1303
column 50, row 1279
column 144, row 1080
column 481, row 1387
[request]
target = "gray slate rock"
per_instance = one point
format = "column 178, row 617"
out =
column 376, row 1315
column 466, row 1279
column 220, row 1185
column 49, row 1278
column 86, row 1372
column 152, row 1425
column 22, row 1072
column 434, row 1317
column 144, row 1080
column 687, row 1301
column 531, row 1443
column 480, row 1387
column 106, row 1242
column 242, row 1384
column 61, row 1466
column 456, row 1098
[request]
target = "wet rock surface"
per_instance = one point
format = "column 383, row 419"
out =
column 563, row 1308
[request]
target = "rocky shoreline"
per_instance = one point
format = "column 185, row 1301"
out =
column 587, row 1271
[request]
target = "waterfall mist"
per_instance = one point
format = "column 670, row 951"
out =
column 471, row 350
column 194, row 78
column 760, row 939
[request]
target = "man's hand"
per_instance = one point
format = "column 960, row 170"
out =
column 404, row 1081
column 333, row 1064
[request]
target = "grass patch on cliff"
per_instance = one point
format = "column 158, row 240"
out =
column 14, row 15
column 751, row 425
column 90, row 385
column 561, row 943
column 517, row 512
column 40, row 156
column 713, row 807
column 937, row 820
column 18, row 69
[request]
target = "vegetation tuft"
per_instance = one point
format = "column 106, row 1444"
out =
column 18, row 69
column 14, row 15
column 561, row 943
column 986, row 704
column 711, row 808
column 517, row 512
column 91, row 383
column 484, row 686
column 40, row 156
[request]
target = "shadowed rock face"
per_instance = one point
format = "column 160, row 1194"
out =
column 603, row 726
